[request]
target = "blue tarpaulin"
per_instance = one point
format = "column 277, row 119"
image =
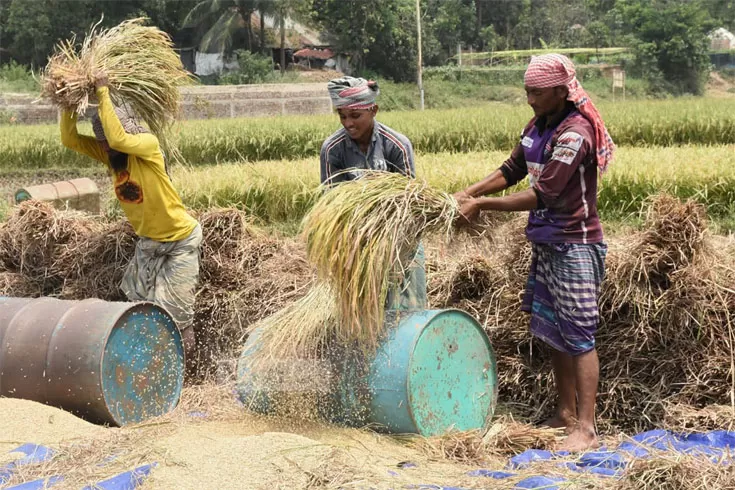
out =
column 34, row 453
column 716, row 446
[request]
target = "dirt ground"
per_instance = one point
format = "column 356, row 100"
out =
column 719, row 86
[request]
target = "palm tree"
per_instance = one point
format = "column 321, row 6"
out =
column 279, row 10
column 265, row 8
column 219, row 20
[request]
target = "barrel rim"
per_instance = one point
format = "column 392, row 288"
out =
column 434, row 314
column 136, row 305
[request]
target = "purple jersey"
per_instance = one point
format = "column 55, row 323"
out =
column 559, row 159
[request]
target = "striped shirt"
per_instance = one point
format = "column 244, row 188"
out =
column 389, row 151
column 559, row 159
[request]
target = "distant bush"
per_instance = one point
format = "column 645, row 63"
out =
column 17, row 78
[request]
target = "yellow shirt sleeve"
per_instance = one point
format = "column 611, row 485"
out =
column 77, row 142
column 144, row 145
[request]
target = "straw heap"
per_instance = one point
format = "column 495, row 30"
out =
column 142, row 68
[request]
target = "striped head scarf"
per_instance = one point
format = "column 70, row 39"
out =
column 127, row 119
column 554, row 70
column 353, row 93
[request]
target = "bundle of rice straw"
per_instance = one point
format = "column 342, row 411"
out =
column 142, row 68
column 504, row 437
column 301, row 330
column 360, row 234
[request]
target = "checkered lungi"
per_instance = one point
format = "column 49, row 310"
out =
column 562, row 293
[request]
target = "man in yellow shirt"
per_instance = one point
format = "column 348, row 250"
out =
column 165, row 268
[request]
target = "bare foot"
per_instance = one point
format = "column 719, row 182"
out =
column 561, row 420
column 579, row 439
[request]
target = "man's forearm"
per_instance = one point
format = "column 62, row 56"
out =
column 519, row 201
column 495, row 182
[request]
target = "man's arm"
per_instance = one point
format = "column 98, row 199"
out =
column 518, row 201
column 401, row 157
column 77, row 142
column 513, row 170
column 328, row 168
column 144, row 145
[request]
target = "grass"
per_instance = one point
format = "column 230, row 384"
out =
column 283, row 191
column 279, row 193
column 493, row 126
column 15, row 78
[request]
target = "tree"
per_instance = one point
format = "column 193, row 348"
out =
column 670, row 42
column 452, row 22
column 722, row 11
column 598, row 34
column 31, row 41
column 376, row 35
column 168, row 15
column 218, row 21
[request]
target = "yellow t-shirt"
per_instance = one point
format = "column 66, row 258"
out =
column 146, row 195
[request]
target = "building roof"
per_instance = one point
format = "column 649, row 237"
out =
column 319, row 54
column 722, row 33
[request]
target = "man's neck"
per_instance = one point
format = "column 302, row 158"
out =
column 554, row 119
column 364, row 142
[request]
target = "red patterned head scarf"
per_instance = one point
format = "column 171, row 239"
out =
column 353, row 93
column 554, row 70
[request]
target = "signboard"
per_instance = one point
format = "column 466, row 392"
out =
column 618, row 81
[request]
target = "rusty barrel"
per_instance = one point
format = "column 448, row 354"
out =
column 81, row 194
column 111, row 363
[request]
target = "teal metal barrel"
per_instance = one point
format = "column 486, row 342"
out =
column 435, row 372
column 111, row 363
column 253, row 392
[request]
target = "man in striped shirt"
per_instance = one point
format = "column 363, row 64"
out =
column 561, row 150
column 362, row 143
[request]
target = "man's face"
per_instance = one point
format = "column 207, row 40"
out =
column 358, row 122
column 546, row 101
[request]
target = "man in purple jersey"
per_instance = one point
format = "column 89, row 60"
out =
column 561, row 150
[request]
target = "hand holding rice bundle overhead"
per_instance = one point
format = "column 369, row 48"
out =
column 143, row 70
column 132, row 71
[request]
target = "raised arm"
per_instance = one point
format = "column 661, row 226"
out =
column 70, row 138
column 144, row 145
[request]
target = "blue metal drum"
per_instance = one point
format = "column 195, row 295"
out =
column 113, row 363
column 435, row 372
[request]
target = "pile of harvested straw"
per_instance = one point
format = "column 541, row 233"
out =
column 504, row 437
column 362, row 233
column 13, row 284
column 31, row 238
column 666, row 471
column 667, row 310
column 245, row 275
column 94, row 263
column 143, row 70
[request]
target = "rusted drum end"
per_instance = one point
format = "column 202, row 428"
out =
column 142, row 365
column 110, row 363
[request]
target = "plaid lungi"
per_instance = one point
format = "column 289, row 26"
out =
column 562, row 293
column 166, row 273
